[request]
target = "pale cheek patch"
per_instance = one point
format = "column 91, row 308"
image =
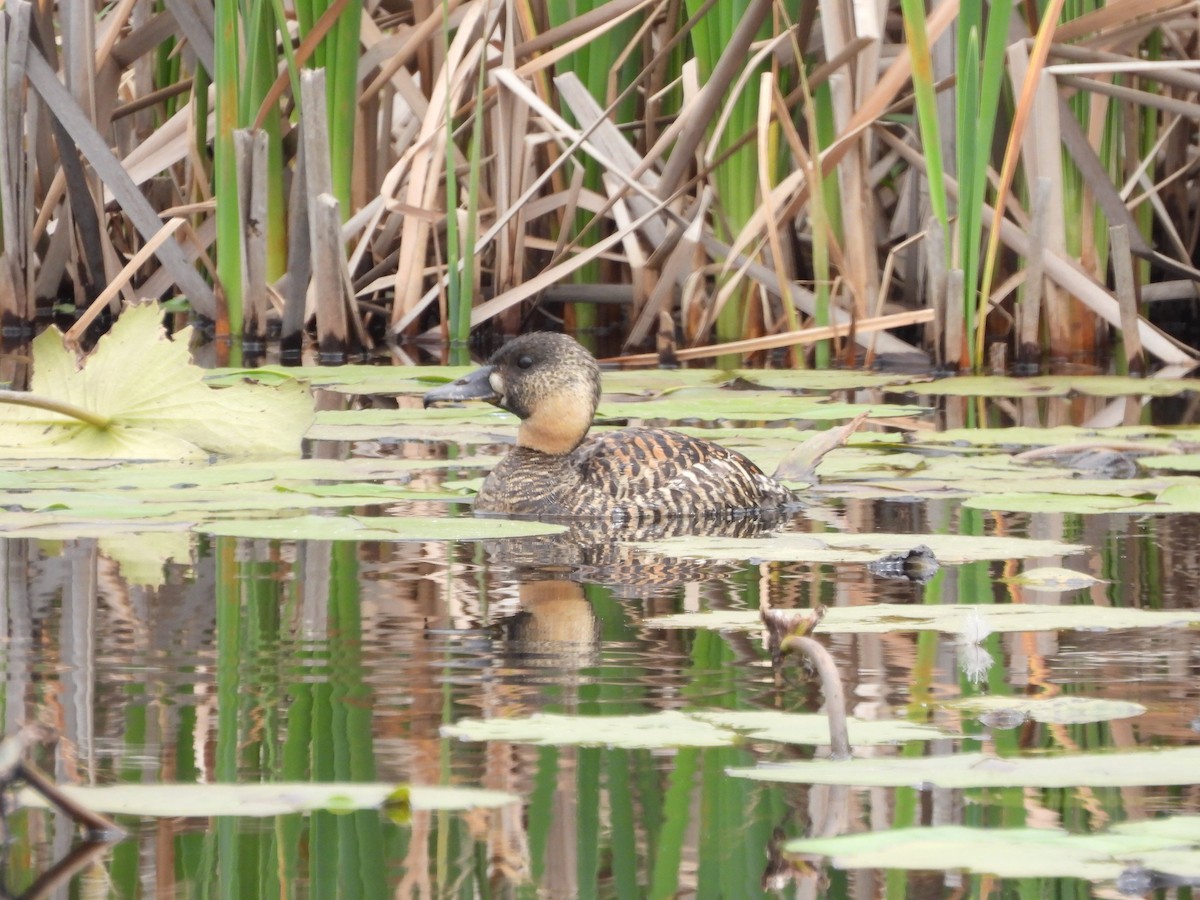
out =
column 496, row 380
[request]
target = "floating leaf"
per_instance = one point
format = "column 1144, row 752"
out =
column 379, row 528
column 1005, row 852
column 1176, row 766
column 1179, row 462
column 709, row 405
column 1055, row 386
column 1180, row 828
column 1054, row 710
column 282, row 798
column 1182, row 496
column 839, row 548
column 361, row 379
column 142, row 561
column 1056, row 503
column 53, row 502
column 880, row 618
column 795, row 728
column 1053, row 579
column 1059, row 436
column 158, row 408
column 674, row 728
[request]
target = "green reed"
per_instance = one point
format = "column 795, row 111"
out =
column 734, row 179
column 978, row 108
column 252, row 45
column 462, row 273
column 980, row 80
column 225, row 177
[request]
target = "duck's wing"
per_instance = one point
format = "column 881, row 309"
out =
column 664, row 472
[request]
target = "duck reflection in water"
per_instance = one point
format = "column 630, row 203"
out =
column 611, row 489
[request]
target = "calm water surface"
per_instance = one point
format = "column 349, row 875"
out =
column 284, row 661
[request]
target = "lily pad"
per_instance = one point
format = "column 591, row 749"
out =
column 842, row 548
column 374, row 379
column 379, row 528
column 158, row 408
column 43, row 499
column 674, row 728
column 282, row 798
column 1180, row 497
column 1054, row 710
column 1180, row 828
column 1058, row 436
column 1177, row 766
column 1055, row 386
column 1053, row 579
column 709, row 405
column 1004, row 852
column 961, row 619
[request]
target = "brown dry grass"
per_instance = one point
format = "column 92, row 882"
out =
column 106, row 195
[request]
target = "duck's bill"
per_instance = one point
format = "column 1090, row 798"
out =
column 479, row 385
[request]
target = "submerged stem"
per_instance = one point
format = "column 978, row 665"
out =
column 831, row 685
column 24, row 398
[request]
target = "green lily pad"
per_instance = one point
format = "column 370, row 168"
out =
column 1053, row 579
column 881, row 618
column 1058, row 436
column 1054, row 710
column 1180, row 497
column 142, row 561
column 708, row 405
column 282, row 798
column 841, row 548
column 45, row 500
column 378, row 528
column 674, row 728
column 1176, row 462
column 1177, row 766
column 1004, row 852
column 419, row 379
column 159, row 408
column 1055, row 386
column 1180, row 828
column 712, row 404
column 359, row 379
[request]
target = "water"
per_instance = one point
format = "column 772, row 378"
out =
column 261, row 661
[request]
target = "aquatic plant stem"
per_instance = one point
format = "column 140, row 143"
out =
column 787, row 632
column 831, row 686
column 225, row 176
column 15, row 767
column 24, row 398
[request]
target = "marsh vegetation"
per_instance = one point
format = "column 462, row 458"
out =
column 702, row 178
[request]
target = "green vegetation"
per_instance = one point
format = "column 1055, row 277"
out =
column 727, row 175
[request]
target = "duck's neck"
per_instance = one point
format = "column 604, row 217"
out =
column 557, row 427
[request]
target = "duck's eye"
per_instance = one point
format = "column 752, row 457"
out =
column 524, row 362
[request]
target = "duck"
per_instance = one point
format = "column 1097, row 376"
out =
column 557, row 470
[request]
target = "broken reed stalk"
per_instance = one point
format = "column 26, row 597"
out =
column 1029, row 305
column 786, row 339
column 98, row 827
column 787, row 632
column 1125, row 284
column 15, row 767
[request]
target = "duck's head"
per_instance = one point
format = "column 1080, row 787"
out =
column 548, row 381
